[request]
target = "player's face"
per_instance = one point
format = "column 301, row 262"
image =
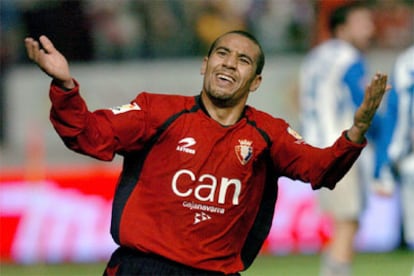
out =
column 360, row 28
column 230, row 71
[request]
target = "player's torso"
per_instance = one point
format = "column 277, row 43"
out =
column 198, row 191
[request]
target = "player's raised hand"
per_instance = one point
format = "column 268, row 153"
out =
column 366, row 111
column 49, row 59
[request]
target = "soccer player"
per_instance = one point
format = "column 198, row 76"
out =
column 402, row 145
column 199, row 182
column 332, row 82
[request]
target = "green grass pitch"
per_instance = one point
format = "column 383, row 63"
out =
column 396, row 263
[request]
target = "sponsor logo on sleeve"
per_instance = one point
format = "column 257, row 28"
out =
column 125, row 108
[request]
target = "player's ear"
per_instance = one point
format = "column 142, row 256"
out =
column 255, row 83
column 203, row 66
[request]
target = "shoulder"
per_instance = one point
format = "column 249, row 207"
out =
column 277, row 130
column 158, row 108
column 335, row 50
column 337, row 55
column 165, row 101
column 266, row 122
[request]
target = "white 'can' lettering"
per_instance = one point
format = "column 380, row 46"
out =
column 205, row 191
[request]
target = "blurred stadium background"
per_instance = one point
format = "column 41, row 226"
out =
column 55, row 205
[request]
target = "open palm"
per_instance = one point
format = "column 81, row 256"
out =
column 48, row 58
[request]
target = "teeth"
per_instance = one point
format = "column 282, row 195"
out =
column 225, row 77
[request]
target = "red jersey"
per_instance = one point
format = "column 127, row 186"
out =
column 192, row 190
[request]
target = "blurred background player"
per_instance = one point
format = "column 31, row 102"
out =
column 401, row 148
column 332, row 82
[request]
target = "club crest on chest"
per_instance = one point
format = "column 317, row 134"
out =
column 244, row 151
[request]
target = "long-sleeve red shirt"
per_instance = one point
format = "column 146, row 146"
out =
column 191, row 190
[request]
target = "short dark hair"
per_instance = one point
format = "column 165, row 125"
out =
column 261, row 59
column 339, row 15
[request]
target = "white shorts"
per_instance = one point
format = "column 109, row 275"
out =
column 348, row 199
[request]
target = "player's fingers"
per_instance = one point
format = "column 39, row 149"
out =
column 47, row 44
column 32, row 48
column 372, row 97
column 382, row 86
column 28, row 41
column 377, row 87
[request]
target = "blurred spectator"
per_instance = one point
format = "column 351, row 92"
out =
column 299, row 30
column 269, row 21
column 166, row 28
column 117, row 33
column 64, row 22
column 395, row 23
column 281, row 25
column 141, row 29
column 217, row 17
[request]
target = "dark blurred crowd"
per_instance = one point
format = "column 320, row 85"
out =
column 87, row 30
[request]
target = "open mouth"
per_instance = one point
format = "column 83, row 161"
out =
column 225, row 78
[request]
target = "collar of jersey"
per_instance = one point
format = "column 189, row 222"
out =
column 204, row 109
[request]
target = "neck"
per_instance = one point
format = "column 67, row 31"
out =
column 224, row 115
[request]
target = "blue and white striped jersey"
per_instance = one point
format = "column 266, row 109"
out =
column 403, row 85
column 332, row 82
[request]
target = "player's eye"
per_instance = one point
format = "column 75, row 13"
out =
column 221, row 53
column 245, row 60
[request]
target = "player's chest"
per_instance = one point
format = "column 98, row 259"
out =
column 209, row 147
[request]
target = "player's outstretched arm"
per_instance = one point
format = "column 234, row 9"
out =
column 50, row 60
column 366, row 111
